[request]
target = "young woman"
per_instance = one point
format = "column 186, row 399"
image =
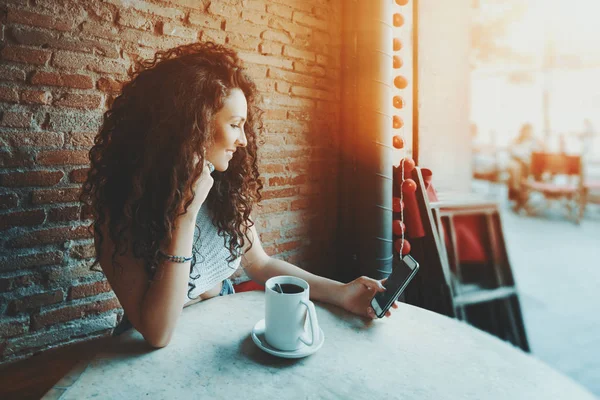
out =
column 170, row 231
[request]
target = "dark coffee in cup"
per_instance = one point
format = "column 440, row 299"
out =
column 290, row 288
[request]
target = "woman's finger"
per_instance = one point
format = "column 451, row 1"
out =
column 388, row 313
column 395, row 304
column 371, row 313
column 371, row 284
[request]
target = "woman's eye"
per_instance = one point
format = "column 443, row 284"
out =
column 235, row 126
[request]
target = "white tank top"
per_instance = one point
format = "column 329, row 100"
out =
column 211, row 258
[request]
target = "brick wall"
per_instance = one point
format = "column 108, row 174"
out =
column 63, row 60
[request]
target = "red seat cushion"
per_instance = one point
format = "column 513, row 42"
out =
column 247, row 287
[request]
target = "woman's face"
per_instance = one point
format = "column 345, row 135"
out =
column 229, row 130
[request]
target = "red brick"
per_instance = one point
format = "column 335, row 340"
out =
column 63, row 157
column 109, row 85
column 268, row 237
column 82, row 101
column 243, row 42
column 224, row 9
column 32, row 37
column 298, row 53
column 213, row 35
column 283, row 87
column 301, row 231
column 255, row 17
column 279, row 193
column 300, row 115
column 68, row 80
column 299, row 204
column 33, row 302
column 135, row 19
column 92, row 46
column 256, row 71
column 34, row 139
column 78, row 175
column 8, row 200
column 8, row 95
column 35, row 97
column 16, row 119
column 172, row 28
column 301, row 5
column 87, row 212
column 265, row 85
column 10, row 73
column 31, row 178
column 282, row 25
column 63, row 214
column 310, row 21
column 81, row 139
column 149, row 8
column 52, row 235
column 72, row 60
column 266, row 60
column 16, row 158
column 26, row 55
column 277, row 114
column 88, row 289
column 72, row 312
column 280, row 10
column 107, row 66
column 313, row 70
column 291, row 77
column 244, row 28
column 21, row 262
column 42, row 21
column 205, row 20
column 272, row 168
column 99, row 29
column 276, row 154
column 10, row 327
column 312, row 93
column 20, row 281
column 270, row 48
column 21, row 218
column 83, row 251
column 273, row 206
column 276, row 36
column 283, row 247
column 66, row 195
column 321, row 59
column 287, row 180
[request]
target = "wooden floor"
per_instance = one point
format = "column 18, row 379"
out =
column 33, row 377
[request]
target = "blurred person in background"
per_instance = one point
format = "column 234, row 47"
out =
column 520, row 158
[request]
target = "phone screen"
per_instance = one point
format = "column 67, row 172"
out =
column 401, row 272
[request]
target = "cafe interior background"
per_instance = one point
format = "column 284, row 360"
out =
column 472, row 73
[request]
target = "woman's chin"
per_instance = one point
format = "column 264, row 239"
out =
column 222, row 167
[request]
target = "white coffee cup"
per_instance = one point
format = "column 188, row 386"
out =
column 285, row 315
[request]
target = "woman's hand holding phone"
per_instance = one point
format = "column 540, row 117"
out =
column 356, row 296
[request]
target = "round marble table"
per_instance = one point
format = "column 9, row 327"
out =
column 415, row 354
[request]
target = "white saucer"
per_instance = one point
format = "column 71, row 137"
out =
column 258, row 336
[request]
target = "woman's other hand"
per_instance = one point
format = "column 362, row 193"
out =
column 202, row 187
column 357, row 295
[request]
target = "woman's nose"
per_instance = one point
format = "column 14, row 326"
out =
column 242, row 141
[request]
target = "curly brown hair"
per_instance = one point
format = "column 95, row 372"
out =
column 143, row 158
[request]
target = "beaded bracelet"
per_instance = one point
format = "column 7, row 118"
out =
column 176, row 259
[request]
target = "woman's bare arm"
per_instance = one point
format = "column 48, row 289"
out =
column 153, row 307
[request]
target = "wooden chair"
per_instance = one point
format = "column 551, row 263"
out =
column 556, row 177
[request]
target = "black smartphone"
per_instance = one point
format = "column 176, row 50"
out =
column 403, row 270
